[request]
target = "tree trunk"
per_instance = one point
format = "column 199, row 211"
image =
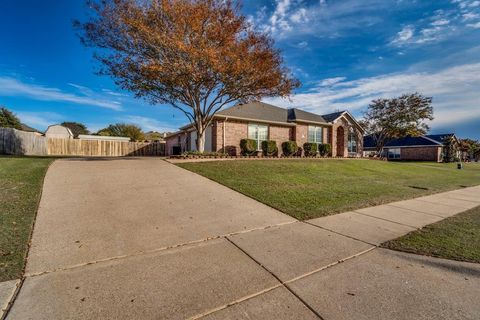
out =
column 200, row 141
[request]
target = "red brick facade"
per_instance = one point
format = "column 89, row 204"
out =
column 226, row 136
column 433, row 153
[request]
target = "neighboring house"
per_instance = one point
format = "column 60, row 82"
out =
column 102, row 138
column 156, row 136
column 262, row 121
column 58, row 132
column 27, row 128
column 422, row 148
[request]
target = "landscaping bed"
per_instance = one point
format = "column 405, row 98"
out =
column 456, row 238
column 21, row 181
column 314, row 187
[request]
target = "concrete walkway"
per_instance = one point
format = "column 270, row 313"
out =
column 144, row 239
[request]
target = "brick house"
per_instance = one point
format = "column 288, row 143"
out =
column 422, row 148
column 262, row 121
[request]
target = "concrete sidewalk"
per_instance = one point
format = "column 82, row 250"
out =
column 144, row 239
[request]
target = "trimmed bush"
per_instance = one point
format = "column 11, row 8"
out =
column 299, row 152
column 289, row 148
column 248, row 147
column 324, row 149
column 269, row 148
column 310, row 149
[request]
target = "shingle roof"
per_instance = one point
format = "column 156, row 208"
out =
column 256, row 110
column 412, row 141
column 369, row 142
column 266, row 112
column 28, row 128
column 332, row 116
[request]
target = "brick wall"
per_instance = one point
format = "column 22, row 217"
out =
column 280, row 134
column 237, row 130
column 172, row 141
column 421, row 153
column 301, row 134
column 234, row 132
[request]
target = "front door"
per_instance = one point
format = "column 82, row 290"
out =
column 340, row 142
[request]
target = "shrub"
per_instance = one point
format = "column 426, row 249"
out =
column 324, row 149
column 310, row 149
column 269, row 148
column 248, row 147
column 289, row 148
column 299, row 152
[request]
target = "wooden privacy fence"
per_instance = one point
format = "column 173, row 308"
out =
column 18, row 142
column 103, row 148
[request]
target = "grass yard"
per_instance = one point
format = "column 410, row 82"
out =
column 456, row 238
column 20, row 188
column 308, row 189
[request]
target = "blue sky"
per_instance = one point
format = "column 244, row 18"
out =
column 345, row 53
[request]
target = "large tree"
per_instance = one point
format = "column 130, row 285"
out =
column 132, row 131
column 470, row 147
column 76, row 128
column 8, row 119
column 398, row 117
column 195, row 55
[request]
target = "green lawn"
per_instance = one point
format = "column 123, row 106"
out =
column 456, row 238
column 20, row 188
column 312, row 188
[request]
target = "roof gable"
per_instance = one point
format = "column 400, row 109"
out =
column 304, row 116
column 333, row 116
column 440, row 137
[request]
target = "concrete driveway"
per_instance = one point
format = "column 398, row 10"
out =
column 144, row 239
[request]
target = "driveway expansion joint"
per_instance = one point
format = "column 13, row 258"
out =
column 368, row 215
column 146, row 252
column 418, row 211
column 340, row 234
column 281, row 283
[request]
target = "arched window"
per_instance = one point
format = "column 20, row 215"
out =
column 352, row 141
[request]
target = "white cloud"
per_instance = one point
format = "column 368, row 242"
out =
column 278, row 21
column 474, row 4
column 13, row 87
column 331, row 81
column 454, row 90
column 440, row 22
column 148, row 124
column 319, row 19
column 470, row 16
column 474, row 25
column 300, row 16
column 404, row 35
column 302, row 44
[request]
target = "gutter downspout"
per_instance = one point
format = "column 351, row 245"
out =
column 224, row 124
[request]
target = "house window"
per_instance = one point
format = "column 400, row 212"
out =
column 352, row 142
column 258, row 132
column 315, row 134
column 394, row 153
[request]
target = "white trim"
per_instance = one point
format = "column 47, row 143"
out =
column 300, row 121
column 430, row 139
